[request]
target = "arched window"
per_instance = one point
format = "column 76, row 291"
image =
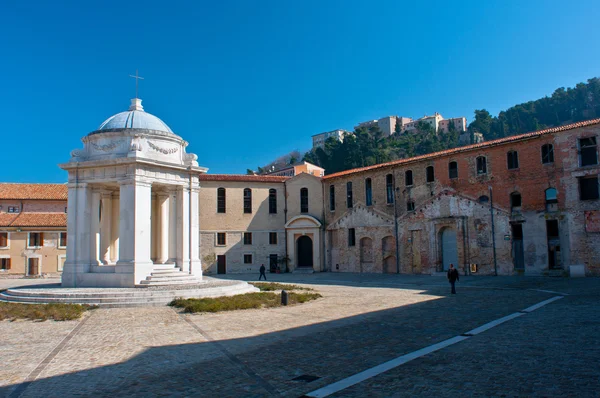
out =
column 368, row 192
column 547, row 153
column 272, row 201
column 515, row 200
column 304, row 200
column 349, row 194
column 481, row 165
column 484, row 199
column 221, row 200
column 408, row 178
column 430, row 174
column 512, row 160
column 332, row 198
column 389, row 188
column 453, row 170
column 247, row 200
column 551, row 195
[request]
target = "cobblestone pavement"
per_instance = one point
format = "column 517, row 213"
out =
column 361, row 321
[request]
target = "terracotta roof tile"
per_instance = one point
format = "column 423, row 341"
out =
column 242, row 177
column 7, row 218
column 467, row 148
column 39, row 220
column 33, row 191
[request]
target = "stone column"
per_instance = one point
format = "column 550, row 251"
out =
column 78, row 233
column 183, row 228
column 135, row 230
column 195, row 263
column 172, row 227
column 95, row 229
column 106, row 227
column 163, row 227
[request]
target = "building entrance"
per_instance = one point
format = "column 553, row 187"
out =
column 449, row 249
column 304, row 251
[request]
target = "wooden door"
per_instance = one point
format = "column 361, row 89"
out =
column 33, row 266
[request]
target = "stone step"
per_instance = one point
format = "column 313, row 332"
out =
column 113, row 298
column 169, row 274
column 169, row 282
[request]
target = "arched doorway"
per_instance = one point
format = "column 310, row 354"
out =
column 304, row 251
column 449, row 249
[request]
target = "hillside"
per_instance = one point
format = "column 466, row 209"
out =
column 369, row 146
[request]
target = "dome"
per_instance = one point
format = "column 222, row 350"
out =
column 134, row 118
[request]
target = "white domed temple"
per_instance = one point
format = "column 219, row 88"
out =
column 133, row 205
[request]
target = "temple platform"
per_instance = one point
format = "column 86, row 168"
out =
column 153, row 295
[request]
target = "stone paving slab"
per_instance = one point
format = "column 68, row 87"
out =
column 157, row 351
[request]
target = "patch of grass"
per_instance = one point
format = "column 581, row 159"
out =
column 240, row 302
column 272, row 286
column 42, row 312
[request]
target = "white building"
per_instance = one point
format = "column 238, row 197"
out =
column 132, row 205
column 319, row 139
column 387, row 124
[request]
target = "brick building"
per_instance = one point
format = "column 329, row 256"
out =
column 33, row 228
column 522, row 204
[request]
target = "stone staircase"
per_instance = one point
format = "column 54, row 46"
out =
column 126, row 297
column 168, row 275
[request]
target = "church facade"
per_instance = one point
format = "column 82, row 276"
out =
column 527, row 204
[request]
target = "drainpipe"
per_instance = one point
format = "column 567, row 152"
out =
column 284, row 223
column 493, row 231
column 396, row 222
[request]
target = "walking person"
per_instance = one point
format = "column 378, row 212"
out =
column 262, row 272
column 452, row 277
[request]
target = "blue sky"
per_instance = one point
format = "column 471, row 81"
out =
column 247, row 81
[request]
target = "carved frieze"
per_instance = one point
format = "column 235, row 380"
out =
column 106, row 147
column 166, row 151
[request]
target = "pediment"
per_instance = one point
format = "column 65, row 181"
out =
column 303, row 221
column 362, row 216
column 448, row 203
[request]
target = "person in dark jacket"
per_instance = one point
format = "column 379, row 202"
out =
column 262, row 272
column 452, row 277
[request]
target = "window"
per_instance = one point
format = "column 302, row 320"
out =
column 3, row 239
column 453, row 170
column 272, row 201
column 587, row 151
column 36, row 239
column 429, row 174
column 247, row 258
column 484, row 199
column 547, row 153
column 4, row 264
column 351, row 237
column 551, row 195
column 349, row 194
column 588, row 188
column 304, row 200
column 515, row 200
column 272, row 238
column 389, row 188
column 247, row 238
column 62, row 239
column 512, row 160
column 368, row 192
column 221, row 200
column 13, row 209
column 408, row 179
column 65, row 210
column 247, row 200
column 481, row 165
column 331, row 198
column 410, row 206
column 221, row 238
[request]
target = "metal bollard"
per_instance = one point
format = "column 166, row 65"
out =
column 284, row 297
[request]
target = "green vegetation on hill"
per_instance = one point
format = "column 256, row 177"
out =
column 368, row 146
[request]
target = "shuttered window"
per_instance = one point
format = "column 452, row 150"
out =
column 5, row 264
column 3, row 239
